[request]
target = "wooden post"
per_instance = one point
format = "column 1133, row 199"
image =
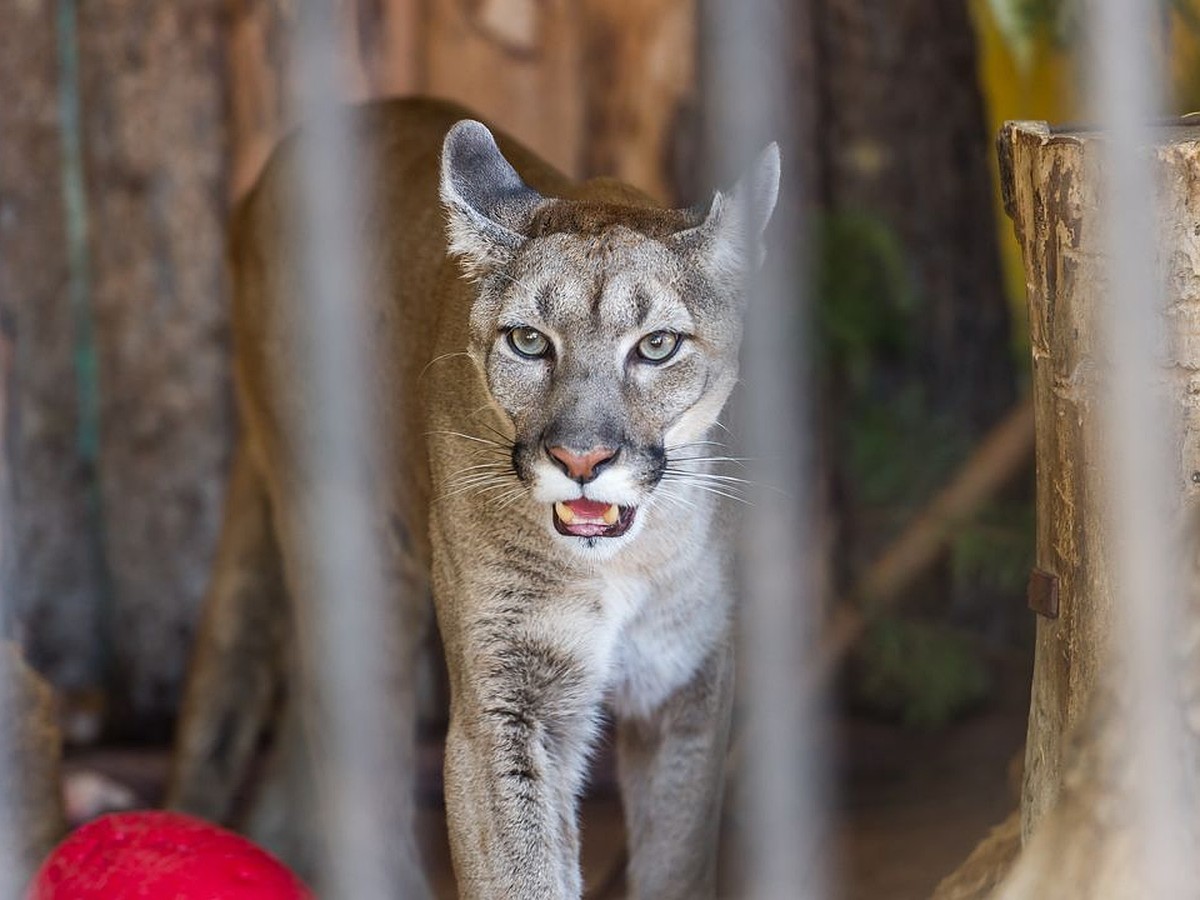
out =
column 1051, row 190
column 1044, row 189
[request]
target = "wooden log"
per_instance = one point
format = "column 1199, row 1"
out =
column 377, row 40
column 258, row 41
column 518, row 63
column 1045, row 193
column 390, row 44
column 1051, row 193
column 640, row 116
column 53, row 586
column 987, row 866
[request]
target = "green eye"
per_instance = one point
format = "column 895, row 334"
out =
column 528, row 342
column 659, row 346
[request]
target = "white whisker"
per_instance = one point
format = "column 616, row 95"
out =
column 439, row 359
column 737, row 460
column 710, row 476
column 487, row 466
column 476, row 487
column 471, row 437
column 672, row 497
column 714, row 490
column 506, row 500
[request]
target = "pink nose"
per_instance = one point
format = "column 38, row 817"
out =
column 582, row 466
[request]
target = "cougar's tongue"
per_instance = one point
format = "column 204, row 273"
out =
column 586, row 509
column 587, row 518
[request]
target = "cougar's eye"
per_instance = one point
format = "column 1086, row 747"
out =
column 528, row 342
column 659, row 346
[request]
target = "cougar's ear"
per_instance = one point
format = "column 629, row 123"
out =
column 729, row 242
column 486, row 202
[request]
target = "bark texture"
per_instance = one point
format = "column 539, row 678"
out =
column 155, row 147
column 53, row 565
column 639, row 94
column 986, row 867
column 1080, row 774
column 1046, row 192
column 115, row 297
column 597, row 88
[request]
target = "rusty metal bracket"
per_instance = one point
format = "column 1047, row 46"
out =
column 1042, row 593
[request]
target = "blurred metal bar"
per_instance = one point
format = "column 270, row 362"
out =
column 342, row 615
column 1137, row 429
column 784, row 815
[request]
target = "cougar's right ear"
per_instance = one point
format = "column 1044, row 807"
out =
column 487, row 204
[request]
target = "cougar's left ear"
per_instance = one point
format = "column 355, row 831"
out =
column 487, row 204
column 729, row 242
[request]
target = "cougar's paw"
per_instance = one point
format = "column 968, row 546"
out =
column 161, row 856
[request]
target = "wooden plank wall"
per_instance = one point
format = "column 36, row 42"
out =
column 595, row 86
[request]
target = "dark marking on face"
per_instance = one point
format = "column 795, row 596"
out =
column 594, row 308
column 590, row 218
column 544, row 300
column 657, row 456
column 641, row 305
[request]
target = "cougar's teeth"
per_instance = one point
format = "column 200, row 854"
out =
column 611, row 514
column 564, row 513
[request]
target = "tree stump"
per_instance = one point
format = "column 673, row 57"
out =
column 1052, row 183
column 1046, row 190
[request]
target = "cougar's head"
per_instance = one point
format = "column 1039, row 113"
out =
column 607, row 333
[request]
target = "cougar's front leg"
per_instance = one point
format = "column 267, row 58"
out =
column 671, row 768
column 522, row 717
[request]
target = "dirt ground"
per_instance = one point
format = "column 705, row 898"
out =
column 911, row 804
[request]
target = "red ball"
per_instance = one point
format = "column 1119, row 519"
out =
column 152, row 855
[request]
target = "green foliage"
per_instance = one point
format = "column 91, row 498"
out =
column 898, row 451
column 893, row 452
column 1024, row 22
column 995, row 550
column 864, row 291
column 923, row 674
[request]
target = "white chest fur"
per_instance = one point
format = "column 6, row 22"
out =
column 660, row 628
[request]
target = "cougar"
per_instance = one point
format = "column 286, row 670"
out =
column 554, row 359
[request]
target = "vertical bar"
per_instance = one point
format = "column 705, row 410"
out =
column 11, row 865
column 1137, row 433
column 782, row 762
column 342, row 617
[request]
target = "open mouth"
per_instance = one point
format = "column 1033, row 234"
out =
column 590, row 518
